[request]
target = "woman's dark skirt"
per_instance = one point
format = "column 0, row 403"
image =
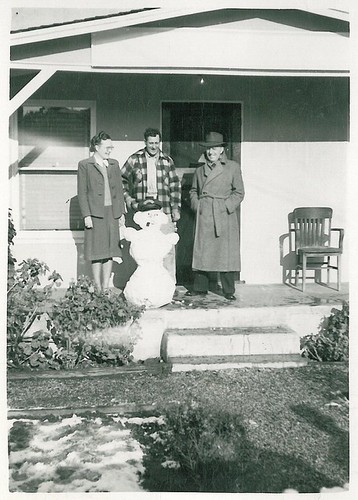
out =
column 102, row 241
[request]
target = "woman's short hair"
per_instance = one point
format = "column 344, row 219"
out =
column 152, row 132
column 97, row 139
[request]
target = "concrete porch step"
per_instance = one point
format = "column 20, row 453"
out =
column 230, row 341
column 202, row 363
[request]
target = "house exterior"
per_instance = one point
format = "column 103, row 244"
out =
column 274, row 81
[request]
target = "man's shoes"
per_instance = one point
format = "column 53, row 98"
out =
column 193, row 293
column 229, row 296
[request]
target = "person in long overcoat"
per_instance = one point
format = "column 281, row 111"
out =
column 217, row 191
column 101, row 200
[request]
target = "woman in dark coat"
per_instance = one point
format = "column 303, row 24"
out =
column 216, row 193
column 100, row 195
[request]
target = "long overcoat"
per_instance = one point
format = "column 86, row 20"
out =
column 215, row 195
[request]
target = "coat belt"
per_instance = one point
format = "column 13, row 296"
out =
column 216, row 211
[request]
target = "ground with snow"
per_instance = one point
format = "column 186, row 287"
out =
column 74, row 454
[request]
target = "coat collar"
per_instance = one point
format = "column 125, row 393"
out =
column 92, row 160
column 141, row 152
column 217, row 170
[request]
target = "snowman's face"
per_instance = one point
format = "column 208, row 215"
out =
column 153, row 218
column 150, row 218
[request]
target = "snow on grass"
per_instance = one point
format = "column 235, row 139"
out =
column 74, row 455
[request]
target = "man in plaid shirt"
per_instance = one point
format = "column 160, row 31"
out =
column 149, row 174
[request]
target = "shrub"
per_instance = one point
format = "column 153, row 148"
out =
column 331, row 343
column 11, row 233
column 83, row 319
column 206, row 444
column 26, row 301
column 37, row 352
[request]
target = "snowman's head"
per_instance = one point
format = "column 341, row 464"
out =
column 150, row 218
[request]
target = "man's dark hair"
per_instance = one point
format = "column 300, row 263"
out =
column 152, row 132
column 97, row 139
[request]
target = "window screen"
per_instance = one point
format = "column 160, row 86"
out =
column 52, row 140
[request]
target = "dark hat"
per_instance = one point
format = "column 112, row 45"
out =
column 213, row 139
column 144, row 206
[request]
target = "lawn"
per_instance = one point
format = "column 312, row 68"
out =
column 292, row 423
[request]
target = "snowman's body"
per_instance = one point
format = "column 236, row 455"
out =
column 150, row 285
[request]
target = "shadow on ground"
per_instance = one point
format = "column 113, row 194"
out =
column 339, row 446
column 249, row 470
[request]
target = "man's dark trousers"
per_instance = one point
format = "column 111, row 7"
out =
column 202, row 278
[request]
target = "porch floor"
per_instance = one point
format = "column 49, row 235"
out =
column 248, row 296
column 275, row 295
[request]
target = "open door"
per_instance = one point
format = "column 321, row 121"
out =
column 184, row 125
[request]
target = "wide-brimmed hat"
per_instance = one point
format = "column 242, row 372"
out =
column 213, row 139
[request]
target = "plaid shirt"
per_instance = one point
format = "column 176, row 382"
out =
column 134, row 176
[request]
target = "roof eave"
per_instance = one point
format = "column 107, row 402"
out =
column 121, row 21
column 94, row 26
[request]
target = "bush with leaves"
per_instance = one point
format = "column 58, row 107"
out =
column 27, row 300
column 11, row 233
column 83, row 317
column 331, row 343
column 38, row 352
column 205, row 446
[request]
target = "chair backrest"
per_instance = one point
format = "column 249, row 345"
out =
column 312, row 226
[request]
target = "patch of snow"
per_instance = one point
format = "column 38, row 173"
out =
column 77, row 455
column 156, row 437
column 74, row 420
column 170, row 464
column 145, row 420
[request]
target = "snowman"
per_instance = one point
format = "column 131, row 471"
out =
column 150, row 285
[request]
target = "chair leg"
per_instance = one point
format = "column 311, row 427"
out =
column 318, row 276
column 338, row 272
column 328, row 269
column 304, row 266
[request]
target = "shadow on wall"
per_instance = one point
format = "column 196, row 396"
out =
column 123, row 271
column 184, row 248
column 288, row 260
column 83, row 267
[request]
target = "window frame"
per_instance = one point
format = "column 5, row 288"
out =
column 60, row 103
column 91, row 105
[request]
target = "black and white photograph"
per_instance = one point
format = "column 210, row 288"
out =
column 181, row 248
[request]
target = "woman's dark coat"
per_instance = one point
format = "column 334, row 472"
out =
column 90, row 188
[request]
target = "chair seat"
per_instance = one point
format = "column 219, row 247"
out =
column 320, row 250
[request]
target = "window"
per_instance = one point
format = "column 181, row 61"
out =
column 53, row 137
column 184, row 125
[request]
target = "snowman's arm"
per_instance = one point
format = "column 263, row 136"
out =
column 128, row 233
column 173, row 238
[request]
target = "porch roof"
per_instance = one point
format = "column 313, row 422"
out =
column 29, row 19
column 46, row 24
column 233, row 38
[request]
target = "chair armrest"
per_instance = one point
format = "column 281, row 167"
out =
column 341, row 235
column 293, row 231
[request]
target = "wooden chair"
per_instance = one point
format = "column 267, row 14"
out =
column 313, row 231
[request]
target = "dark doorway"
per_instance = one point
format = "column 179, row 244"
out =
column 184, row 126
